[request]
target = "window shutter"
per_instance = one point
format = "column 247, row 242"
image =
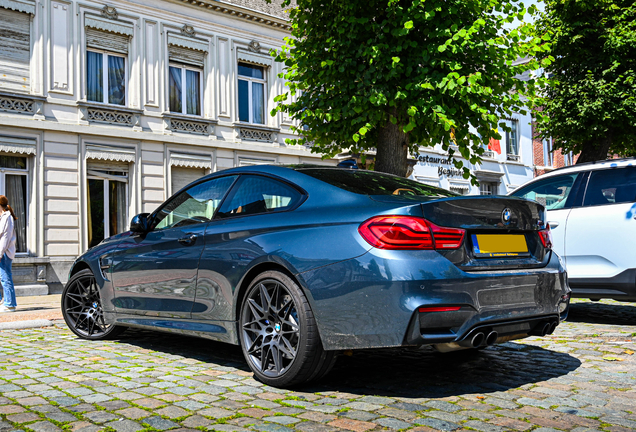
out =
column 187, row 56
column 15, row 51
column 181, row 177
column 107, row 41
column 187, row 50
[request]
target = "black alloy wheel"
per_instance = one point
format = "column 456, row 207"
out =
column 279, row 336
column 82, row 308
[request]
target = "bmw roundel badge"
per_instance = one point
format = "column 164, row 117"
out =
column 506, row 214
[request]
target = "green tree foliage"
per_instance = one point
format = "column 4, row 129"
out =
column 398, row 74
column 589, row 105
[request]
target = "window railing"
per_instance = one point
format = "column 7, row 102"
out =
column 109, row 114
column 187, row 124
column 21, row 104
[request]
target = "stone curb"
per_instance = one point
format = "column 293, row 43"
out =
column 17, row 325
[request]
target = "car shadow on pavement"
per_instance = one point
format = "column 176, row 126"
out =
column 602, row 313
column 393, row 372
column 425, row 373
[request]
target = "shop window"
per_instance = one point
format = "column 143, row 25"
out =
column 107, row 198
column 14, row 185
column 184, row 90
column 251, row 93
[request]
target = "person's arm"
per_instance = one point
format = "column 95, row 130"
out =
column 5, row 235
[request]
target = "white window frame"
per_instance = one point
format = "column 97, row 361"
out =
column 488, row 188
column 105, row 55
column 107, row 178
column 548, row 155
column 513, row 124
column 252, row 80
column 3, row 185
column 184, row 68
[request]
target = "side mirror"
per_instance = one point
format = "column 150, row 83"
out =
column 139, row 224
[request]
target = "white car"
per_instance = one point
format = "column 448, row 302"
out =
column 591, row 209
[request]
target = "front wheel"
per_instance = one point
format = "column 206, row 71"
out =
column 279, row 336
column 82, row 308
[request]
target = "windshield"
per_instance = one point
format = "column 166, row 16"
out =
column 375, row 183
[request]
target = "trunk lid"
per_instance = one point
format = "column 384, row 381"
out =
column 501, row 232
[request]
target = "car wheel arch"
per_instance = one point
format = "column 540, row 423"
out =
column 78, row 267
column 253, row 273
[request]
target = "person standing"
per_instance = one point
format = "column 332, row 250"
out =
column 7, row 251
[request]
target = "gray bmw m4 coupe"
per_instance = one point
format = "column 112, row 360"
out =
column 296, row 264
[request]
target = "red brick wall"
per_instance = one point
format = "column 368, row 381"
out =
column 558, row 159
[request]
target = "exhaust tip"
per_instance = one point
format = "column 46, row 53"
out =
column 492, row 338
column 478, row 340
column 546, row 329
column 553, row 327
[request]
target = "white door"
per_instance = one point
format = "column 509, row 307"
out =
column 601, row 235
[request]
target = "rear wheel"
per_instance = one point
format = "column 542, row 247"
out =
column 82, row 308
column 279, row 336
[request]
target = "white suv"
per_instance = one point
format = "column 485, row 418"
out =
column 591, row 209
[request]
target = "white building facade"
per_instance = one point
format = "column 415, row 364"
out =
column 108, row 109
column 506, row 164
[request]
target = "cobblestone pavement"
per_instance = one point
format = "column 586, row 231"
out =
column 581, row 378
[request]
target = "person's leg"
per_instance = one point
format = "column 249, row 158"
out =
column 6, row 277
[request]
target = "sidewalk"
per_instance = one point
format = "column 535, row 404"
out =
column 35, row 311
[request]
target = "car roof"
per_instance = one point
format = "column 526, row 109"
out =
column 584, row 167
column 590, row 166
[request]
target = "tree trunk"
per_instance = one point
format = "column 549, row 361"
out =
column 392, row 150
column 594, row 151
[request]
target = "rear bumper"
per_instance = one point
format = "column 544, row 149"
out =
column 621, row 287
column 372, row 301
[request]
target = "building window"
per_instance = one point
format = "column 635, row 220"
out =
column 547, row 153
column 251, row 93
column 184, row 90
column 107, row 203
column 105, row 78
column 512, row 140
column 487, row 188
column 14, row 184
column 568, row 159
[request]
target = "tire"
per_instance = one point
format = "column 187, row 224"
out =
column 278, row 333
column 82, row 309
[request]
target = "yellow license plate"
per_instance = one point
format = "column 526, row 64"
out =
column 499, row 245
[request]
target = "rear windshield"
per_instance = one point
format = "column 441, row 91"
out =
column 374, row 183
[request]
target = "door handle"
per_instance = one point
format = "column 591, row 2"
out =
column 188, row 240
column 553, row 224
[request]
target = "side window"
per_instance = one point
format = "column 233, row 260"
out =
column 255, row 194
column 552, row 192
column 611, row 186
column 193, row 206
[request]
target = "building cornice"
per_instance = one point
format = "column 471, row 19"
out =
column 241, row 13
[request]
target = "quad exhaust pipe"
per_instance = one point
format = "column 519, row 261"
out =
column 492, row 338
column 479, row 339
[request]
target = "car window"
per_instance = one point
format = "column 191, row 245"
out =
column 256, row 194
column 611, row 186
column 194, row 205
column 551, row 192
column 374, row 183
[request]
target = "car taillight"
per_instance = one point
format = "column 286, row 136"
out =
column 439, row 309
column 408, row 232
column 546, row 237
